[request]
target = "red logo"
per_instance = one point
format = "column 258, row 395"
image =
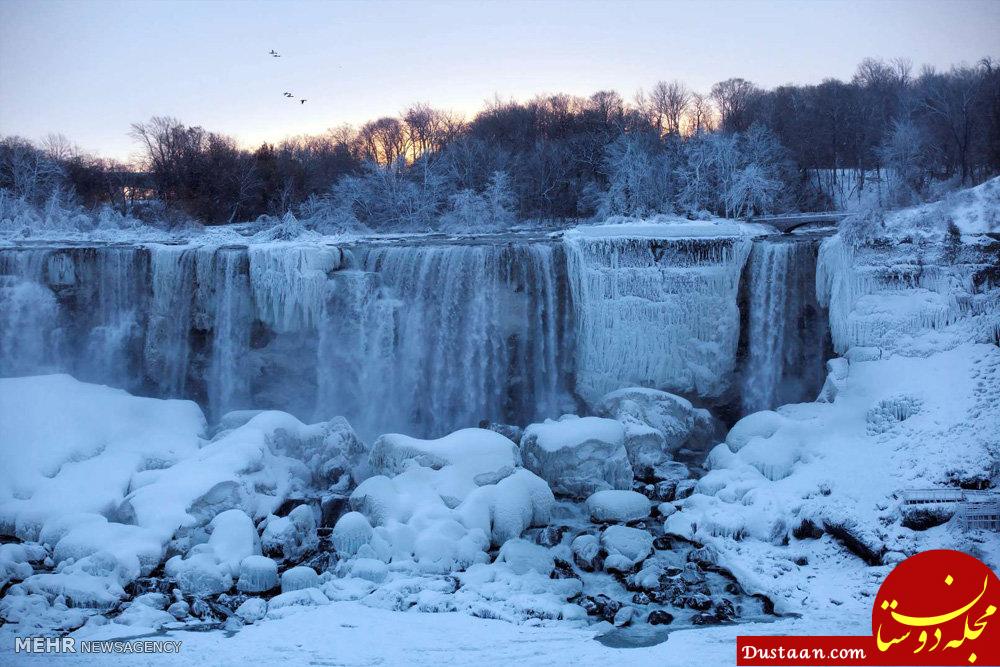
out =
column 935, row 608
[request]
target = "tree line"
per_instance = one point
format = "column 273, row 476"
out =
column 736, row 151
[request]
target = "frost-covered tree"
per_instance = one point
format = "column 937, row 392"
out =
column 904, row 153
column 640, row 177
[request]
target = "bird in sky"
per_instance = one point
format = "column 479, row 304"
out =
column 287, row 94
column 302, row 101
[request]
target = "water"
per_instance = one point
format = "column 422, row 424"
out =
column 786, row 330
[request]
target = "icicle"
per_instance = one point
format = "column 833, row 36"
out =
column 655, row 312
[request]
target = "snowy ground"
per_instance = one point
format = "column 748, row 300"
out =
column 346, row 633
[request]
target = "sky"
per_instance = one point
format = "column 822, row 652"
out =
column 89, row 68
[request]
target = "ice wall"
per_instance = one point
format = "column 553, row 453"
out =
column 883, row 296
column 786, row 330
column 659, row 313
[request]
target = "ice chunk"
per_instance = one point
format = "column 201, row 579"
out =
column 578, row 456
column 615, row 506
column 351, row 532
column 257, row 574
column 305, row 597
column 299, row 577
column 234, row 537
column 200, row 573
column 138, row 550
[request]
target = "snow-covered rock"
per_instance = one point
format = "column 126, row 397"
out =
column 299, row 577
column 615, row 506
column 290, row 537
column 233, row 538
column 200, row 573
column 578, row 456
column 257, row 574
column 252, row 610
column 351, row 532
column 522, row 556
column 657, row 424
column 626, row 547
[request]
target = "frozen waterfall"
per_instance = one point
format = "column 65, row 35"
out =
column 421, row 336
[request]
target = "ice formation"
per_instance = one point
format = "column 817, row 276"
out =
column 658, row 313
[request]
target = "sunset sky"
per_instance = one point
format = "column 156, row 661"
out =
column 89, row 69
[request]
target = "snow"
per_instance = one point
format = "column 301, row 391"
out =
column 70, row 447
column 233, row 538
column 351, row 532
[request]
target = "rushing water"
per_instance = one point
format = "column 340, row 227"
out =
column 422, row 338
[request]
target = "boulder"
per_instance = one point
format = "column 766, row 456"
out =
column 657, row 424
column 578, row 456
column 257, row 574
column 291, row 537
column 615, row 506
column 626, row 547
column 297, row 578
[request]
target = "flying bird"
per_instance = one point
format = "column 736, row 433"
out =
column 274, row 53
column 302, row 101
column 288, row 94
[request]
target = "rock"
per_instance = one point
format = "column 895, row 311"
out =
column 588, row 553
column 513, row 433
column 684, row 489
column 291, row 537
column 563, row 570
column 627, row 546
column 351, row 532
column 331, row 454
column 657, row 424
column 725, row 612
column 705, row 557
column 257, row 574
column 179, row 610
column 332, row 507
column 614, row 506
column 696, row 601
column 807, row 530
column 641, row 598
column 522, row 556
column 665, row 509
column 233, row 538
column 859, row 541
column 602, row 606
column 297, row 578
column 252, row 610
column 704, row 618
column 623, row 617
column 200, row 573
column 659, row 617
column 922, row 518
column 578, row 456
column 550, row 536
column 663, row 543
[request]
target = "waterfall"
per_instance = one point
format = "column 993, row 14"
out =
column 478, row 335
column 656, row 312
column 786, row 330
column 230, row 306
column 168, row 346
